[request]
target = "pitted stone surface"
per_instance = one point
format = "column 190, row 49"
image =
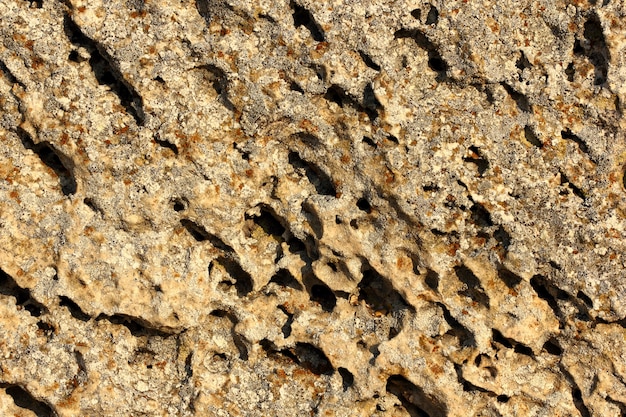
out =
column 372, row 208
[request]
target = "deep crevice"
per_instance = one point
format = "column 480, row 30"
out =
column 521, row 100
column 416, row 402
column 238, row 340
column 26, row 400
column 53, row 159
column 105, row 71
column 243, row 280
column 379, row 294
column 303, row 17
column 316, row 176
column 435, row 61
column 368, row 61
column 23, row 297
column 320, row 293
column 137, row 326
column 73, row 308
column 474, row 288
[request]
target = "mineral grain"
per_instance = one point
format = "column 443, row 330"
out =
column 294, row 208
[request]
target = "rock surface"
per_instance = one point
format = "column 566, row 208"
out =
column 349, row 208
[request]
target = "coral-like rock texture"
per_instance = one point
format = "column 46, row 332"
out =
column 309, row 208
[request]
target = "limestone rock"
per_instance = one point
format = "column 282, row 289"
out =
column 372, row 208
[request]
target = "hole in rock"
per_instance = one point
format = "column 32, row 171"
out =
column 480, row 215
column 24, row 399
column 303, row 17
column 268, row 222
column 474, row 289
column 53, row 159
column 379, row 294
column 320, row 293
column 432, row 279
column 368, row 61
column 482, row 164
column 552, row 347
column 346, row 377
column 433, row 16
column 312, row 358
column 73, row 308
column 364, row 205
column 165, row 144
column 413, row 398
column 243, row 281
column 585, row 298
column 531, row 137
column 510, row 279
column 286, row 328
column 179, row 204
column 570, row 71
column 316, row 176
column 503, row 237
column 284, row 278
column 23, row 297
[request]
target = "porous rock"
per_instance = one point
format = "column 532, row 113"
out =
column 235, row 208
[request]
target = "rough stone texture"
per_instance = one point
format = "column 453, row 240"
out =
column 235, row 208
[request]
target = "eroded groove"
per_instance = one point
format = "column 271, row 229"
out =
column 482, row 164
column 268, row 221
column 23, row 297
column 368, row 61
column 53, row 159
column 510, row 279
column 416, row 402
column 73, row 308
column 238, row 340
column 303, row 17
column 568, row 135
column 219, row 81
column 200, row 234
column 320, row 292
column 575, row 190
column 521, row 100
column 136, row 325
column 165, row 144
column 596, row 48
column 105, row 71
column 9, row 75
column 312, row 358
column 576, row 392
column 243, row 281
column 531, row 137
column 25, row 399
column 462, row 333
column 435, row 61
column 316, row 176
column 474, row 288
column 284, row 278
column 379, row 294
column 518, row 347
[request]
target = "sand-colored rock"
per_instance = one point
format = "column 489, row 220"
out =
column 367, row 208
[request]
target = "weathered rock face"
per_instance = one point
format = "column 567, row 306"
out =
column 234, row 208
